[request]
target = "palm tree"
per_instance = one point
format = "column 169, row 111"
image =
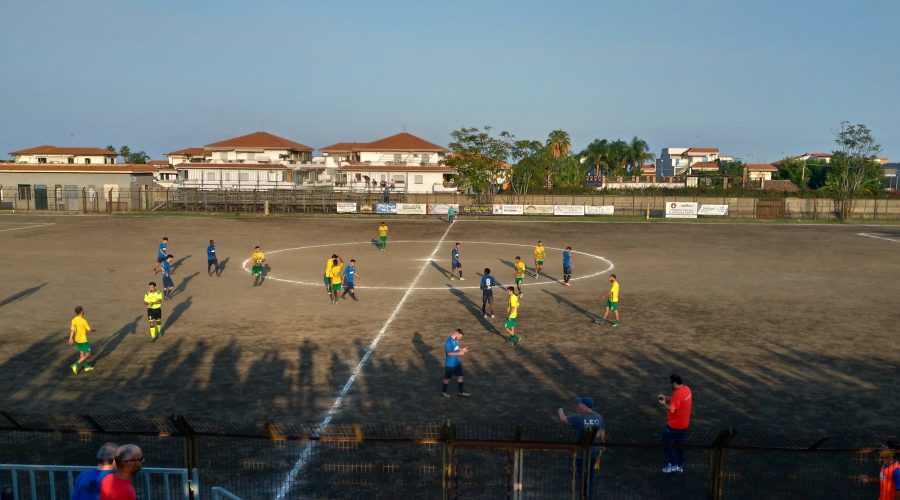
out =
column 125, row 152
column 595, row 155
column 559, row 144
column 639, row 151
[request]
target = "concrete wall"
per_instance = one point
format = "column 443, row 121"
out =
column 411, row 157
column 64, row 159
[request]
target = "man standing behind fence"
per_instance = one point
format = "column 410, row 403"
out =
column 117, row 486
column 678, row 417
column 586, row 419
column 87, row 484
column 889, row 477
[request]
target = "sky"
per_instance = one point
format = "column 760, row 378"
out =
column 759, row 79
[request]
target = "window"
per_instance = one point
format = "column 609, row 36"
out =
column 250, row 156
column 358, row 177
column 71, row 160
column 418, row 179
column 210, row 176
column 58, row 192
column 24, row 191
column 226, row 175
column 244, row 176
column 398, row 179
column 87, row 161
column 398, row 158
column 426, row 159
column 42, row 160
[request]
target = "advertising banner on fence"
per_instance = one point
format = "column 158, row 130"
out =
column 477, row 209
column 442, row 208
column 365, row 208
column 509, row 209
column 604, row 210
column 538, row 209
column 411, row 208
column 386, row 208
column 681, row 210
column 713, row 210
column 346, row 208
column 568, row 209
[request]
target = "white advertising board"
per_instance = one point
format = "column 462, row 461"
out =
column 681, row 210
column 509, row 209
column 713, row 210
column 442, row 208
column 604, row 210
column 568, row 209
column 346, row 208
column 538, row 209
column 411, row 208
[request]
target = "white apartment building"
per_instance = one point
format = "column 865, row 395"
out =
column 402, row 161
column 188, row 155
column 64, row 155
column 678, row 161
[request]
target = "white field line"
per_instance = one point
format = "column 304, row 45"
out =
column 609, row 267
column 27, row 227
column 878, row 237
column 285, row 487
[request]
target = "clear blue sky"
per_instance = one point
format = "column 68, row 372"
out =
column 756, row 78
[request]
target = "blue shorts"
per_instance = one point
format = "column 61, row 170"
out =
column 567, row 270
column 453, row 371
column 487, row 296
column 348, row 285
column 168, row 283
column 454, row 264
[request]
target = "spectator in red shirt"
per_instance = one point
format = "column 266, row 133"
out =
column 117, row 486
column 678, row 417
column 889, row 478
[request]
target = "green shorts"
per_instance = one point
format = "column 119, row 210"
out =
column 613, row 306
column 336, row 287
column 257, row 270
column 540, row 263
column 510, row 323
column 382, row 238
column 327, row 280
column 519, row 281
column 83, row 347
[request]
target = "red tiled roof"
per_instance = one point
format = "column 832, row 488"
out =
column 158, row 162
column 234, row 166
column 98, row 168
column 260, row 140
column 705, row 165
column 819, row 155
column 398, row 142
column 761, row 167
column 191, row 152
column 700, row 150
column 63, row 150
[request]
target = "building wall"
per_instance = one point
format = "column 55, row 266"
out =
column 411, row 182
column 124, row 181
column 234, row 178
column 64, row 159
column 410, row 158
column 266, row 155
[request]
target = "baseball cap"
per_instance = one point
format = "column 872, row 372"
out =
column 586, row 401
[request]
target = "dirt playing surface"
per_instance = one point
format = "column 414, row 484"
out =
column 773, row 327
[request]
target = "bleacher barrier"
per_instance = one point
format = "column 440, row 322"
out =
column 446, row 460
column 329, row 201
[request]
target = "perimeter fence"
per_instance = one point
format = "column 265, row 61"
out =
column 446, row 460
column 63, row 199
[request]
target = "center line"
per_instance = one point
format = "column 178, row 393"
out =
column 285, row 487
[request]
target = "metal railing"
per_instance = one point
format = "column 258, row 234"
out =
column 41, row 481
column 219, row 493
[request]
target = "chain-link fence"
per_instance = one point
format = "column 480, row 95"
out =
column 454, row 459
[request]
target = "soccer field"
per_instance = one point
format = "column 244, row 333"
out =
column 769, row 325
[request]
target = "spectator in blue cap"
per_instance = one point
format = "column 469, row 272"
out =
column 585, row 418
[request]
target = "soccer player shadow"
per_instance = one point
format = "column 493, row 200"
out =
column 375, row 243
column 112, row 342
column 562, row 300
column 266, row 269
column 24, row 294
column 183, row 285
column 223, row 264
column 475, row 310
column 443, row 270
column 177, row 311
column 179, row 262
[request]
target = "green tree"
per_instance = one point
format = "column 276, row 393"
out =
column 479, row 158
column 796, row 170
column 531, row 162
column 854, row 168
column 125, row 153
column 138, row 158
column 638, row 152
column 732, row 168
column 595, row 156
column 559, row 145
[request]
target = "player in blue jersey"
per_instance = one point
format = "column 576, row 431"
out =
column 168, row 284
column 567, row 266
column 453, row 363
column 161, row 254
column 488, row 283
column 455, row 263
column 212, row 259
column 350, row 277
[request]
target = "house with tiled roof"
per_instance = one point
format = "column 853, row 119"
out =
column 401, row 161
column 760, row 171
column 64, row 155
column 258, row 160
column 682, row 161
column 73, row 186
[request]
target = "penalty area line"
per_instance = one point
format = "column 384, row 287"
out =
column 305, row 455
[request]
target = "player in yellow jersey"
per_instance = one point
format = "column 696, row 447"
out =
column 78, row 337
column 612, row 301
column 327, row 277
column 539, row 253
column 337, row 274
column 153, row 300
column 519, row 274
column 382, row 235
column 512, row 314
column 257, row 258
